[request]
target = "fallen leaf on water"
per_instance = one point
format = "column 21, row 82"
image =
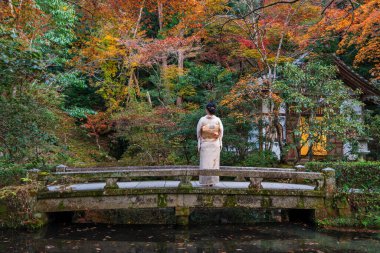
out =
column 311, row 243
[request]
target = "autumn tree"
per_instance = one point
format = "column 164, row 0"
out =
column 357, row 27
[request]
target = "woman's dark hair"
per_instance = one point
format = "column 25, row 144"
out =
column 211, row 108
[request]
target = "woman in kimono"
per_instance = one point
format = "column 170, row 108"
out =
column 209, row 134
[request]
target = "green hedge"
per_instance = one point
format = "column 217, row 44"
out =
column 352, row 175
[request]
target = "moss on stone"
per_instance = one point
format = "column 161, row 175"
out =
column 230, row 201
column 17, row 205
column 301, row 203
column 162, row 201
column 61, row 205
column 266, row 202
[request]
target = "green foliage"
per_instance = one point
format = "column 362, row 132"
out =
column 372, row 119
column 11, row 174
column 23, row 129
column 17, row 203
column 79, row 113
column 142, row 130
column 352, row 175
column 77, row 94
column 209, row 81
column 63, row 18
column 16, row 65
column 184, row 138
column 365, row 211
column 261, row 159
column 313, row 91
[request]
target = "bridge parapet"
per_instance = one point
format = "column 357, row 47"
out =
column 324, row 181
column 185, row 197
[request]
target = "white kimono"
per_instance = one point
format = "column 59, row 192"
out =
column 210, row 135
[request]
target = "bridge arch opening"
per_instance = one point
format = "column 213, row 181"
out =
column 301, row 216
column 61, row 217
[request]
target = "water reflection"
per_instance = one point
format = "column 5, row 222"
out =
column 197, row 239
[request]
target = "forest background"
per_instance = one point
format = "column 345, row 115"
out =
column 123, row 80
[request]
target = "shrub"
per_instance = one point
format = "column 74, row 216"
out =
column 11, row 174
column 17, row 204
column 261, row 159
column 79, row 113
column 352, row 175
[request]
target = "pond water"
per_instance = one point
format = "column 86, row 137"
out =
column 274, row 237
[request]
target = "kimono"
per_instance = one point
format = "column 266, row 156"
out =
column 209, row 134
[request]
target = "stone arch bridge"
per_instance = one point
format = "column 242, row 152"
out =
column 135, row 187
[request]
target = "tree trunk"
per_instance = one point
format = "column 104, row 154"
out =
column 11, row 8
column 160, row 15
column 179, row 101
column 148, row 98
column 139, row 19
column 181, row 59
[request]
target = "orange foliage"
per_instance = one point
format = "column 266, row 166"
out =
column 26, row 20
column 359, row 30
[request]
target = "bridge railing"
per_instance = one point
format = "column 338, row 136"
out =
column 324, row 181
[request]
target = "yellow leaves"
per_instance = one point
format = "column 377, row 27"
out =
column 109, row 46
column 281, row 59
column 109, row 69
column 187, row 91
column 216, row 6
column 170, row 76
column 191, row 106
column 276, row 98
column 250, row 53
column 99, row 50
column 134, row 64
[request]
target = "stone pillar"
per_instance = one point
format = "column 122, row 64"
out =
column 61, row 168
column 32, row 174
column 298, row 167
column 329, row 187
column 111, row 183
column 255, row 183
column 239, row 179
column 330, row 183
column 182, row 215
column 185, row 182
column 344, row 209
column 39, row 177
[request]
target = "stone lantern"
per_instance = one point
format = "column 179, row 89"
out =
column 363, row 148
column 61, row 168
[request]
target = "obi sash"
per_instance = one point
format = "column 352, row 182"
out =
column 210, row 132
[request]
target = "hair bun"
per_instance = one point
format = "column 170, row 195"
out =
column 211, row 107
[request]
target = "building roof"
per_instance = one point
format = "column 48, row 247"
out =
column 356, row 81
